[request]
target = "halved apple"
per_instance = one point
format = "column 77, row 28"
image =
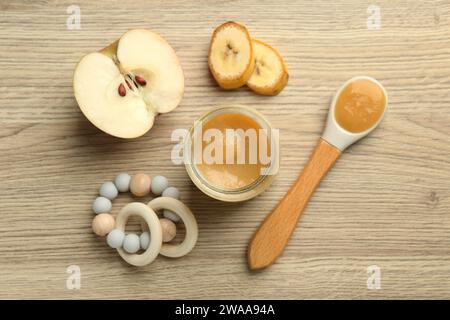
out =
column 121, row 88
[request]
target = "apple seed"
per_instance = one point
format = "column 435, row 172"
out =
column 141, row 81
column 122, row 91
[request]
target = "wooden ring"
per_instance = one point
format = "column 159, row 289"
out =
column 152, row 221
column 172, row 204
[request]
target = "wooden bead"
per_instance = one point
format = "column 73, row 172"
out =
column 102, row 224
column 140, row 185
column 169, row 229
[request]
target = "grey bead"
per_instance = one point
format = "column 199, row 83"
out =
column 159, row 184
column 171, row 215
column 131, row 243
column 108, row 190
column 122, row 182
column 115, row 238
column 171, row 192
column 102, row 205
column 144, row 239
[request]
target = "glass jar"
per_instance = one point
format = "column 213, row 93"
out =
column 240, row 193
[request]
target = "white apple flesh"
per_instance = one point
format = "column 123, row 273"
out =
column 121, row 88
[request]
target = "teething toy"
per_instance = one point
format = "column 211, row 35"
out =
column 156, row 232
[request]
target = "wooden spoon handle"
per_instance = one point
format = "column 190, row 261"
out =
column 272, row 236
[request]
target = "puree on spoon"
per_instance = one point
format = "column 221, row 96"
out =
column 360, row 105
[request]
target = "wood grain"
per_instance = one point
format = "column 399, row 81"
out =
column 272, row 236
column 386, row 202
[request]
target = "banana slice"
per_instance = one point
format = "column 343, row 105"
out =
column 230, row 56
column 270, row 74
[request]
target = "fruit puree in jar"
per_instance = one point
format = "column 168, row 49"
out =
column 360, row 105
column 234, row 175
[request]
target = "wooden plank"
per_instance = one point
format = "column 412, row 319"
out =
column 386, row 202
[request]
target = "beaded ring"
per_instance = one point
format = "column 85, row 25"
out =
column 152, row 221
column 179, row 250
column 156, row 231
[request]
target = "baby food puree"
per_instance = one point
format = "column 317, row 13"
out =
column 234, row 170
column 232, row 153
column 360, row 105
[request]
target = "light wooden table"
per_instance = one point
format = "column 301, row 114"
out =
column 385, row 203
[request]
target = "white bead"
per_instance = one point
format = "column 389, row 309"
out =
column 101, row 205
column 171, row 192
column 122, row 182
column 171, row 215
column 108, row 190
column 131, row 243
column 159, row 184
column 115, row 238
column 144, row 240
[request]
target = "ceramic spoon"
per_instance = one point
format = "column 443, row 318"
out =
column 272, row 236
